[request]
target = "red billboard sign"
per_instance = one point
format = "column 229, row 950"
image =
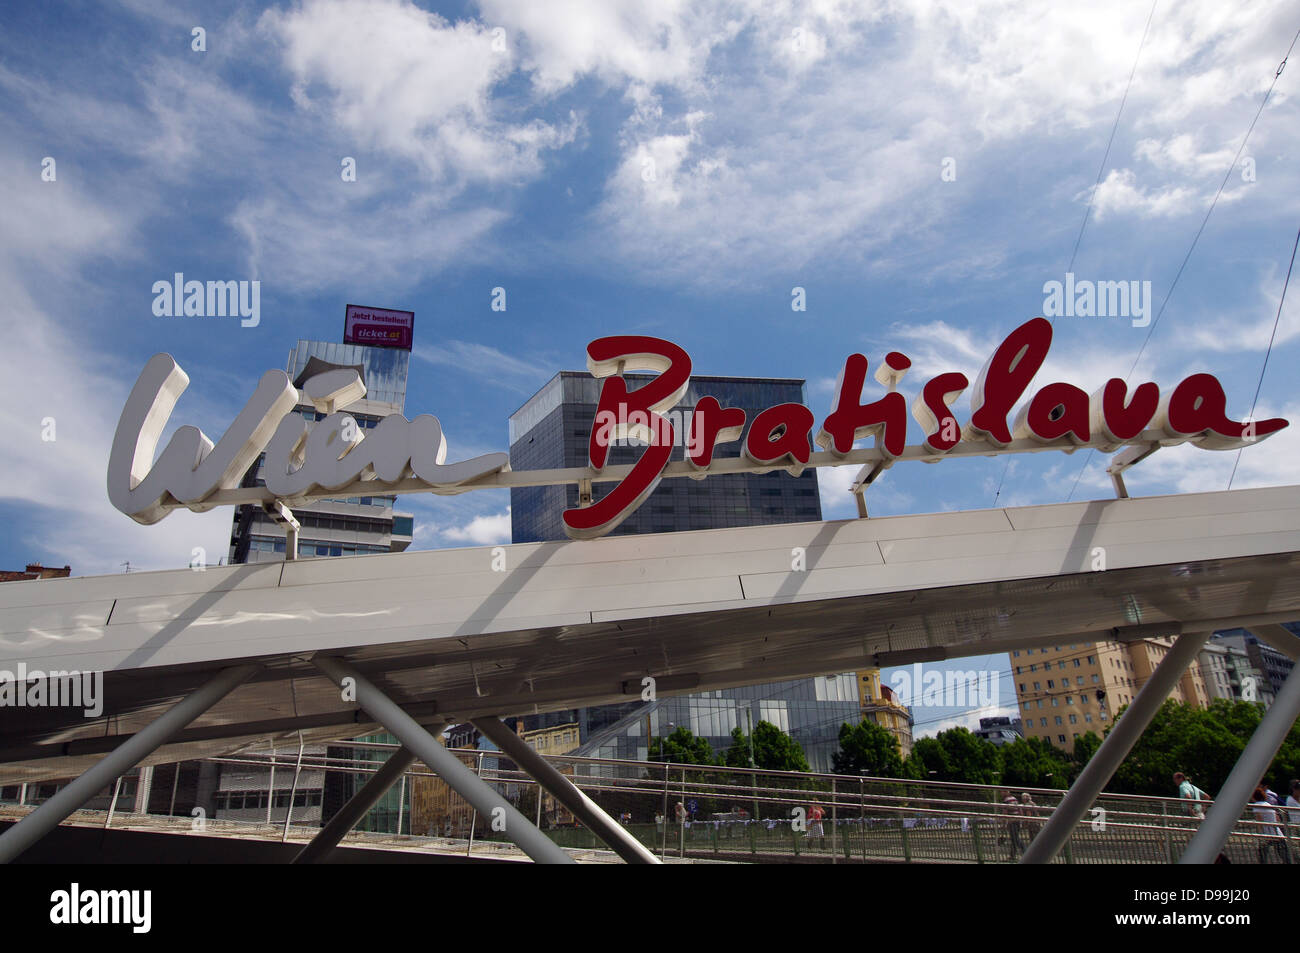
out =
column 378, row 327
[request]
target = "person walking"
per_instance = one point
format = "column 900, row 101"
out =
column 1011, row 807
column 1270, row 831
column 1030, row 810
column 815, row 829
column 1196, row 798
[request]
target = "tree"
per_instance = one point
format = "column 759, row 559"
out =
column 774, row 750
column 1085, row 746
column 928, row 761
column 869, row 749
column 682, row 747
column 970, row 758
column 1035, row 763
column 1203, row 743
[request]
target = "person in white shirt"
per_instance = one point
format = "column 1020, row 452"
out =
column 1269, row 830
column 1293, row 803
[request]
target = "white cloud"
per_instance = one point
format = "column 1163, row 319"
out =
column 482, row 530
column 397, row 78
column 486, row 361
column 1119, row 193
column 62, row 480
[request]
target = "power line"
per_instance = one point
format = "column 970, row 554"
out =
column 1197, row 237
column 1101, row 170
column 1271, row 337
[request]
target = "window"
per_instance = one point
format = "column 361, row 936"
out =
column 1058, row 719
column 1016, row 653
column 1043, row 723
column 1087, row 716
column 1050, row 684
column 1061, row 738
column 1061, row 664
column 1033, row 668
column 1056, row 702
column 1092, row 660
column 1022, row 686
column 1078, row 663
column 1069, row 700
column 1095, row 679
column 1074, row 719
column 1038, row 686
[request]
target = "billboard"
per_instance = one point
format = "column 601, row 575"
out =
column 378, row 327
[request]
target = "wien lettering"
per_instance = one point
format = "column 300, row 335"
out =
column 335, row 454
column 1058, row 415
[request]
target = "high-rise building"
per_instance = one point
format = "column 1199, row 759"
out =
column 551, row 430
column 1269, row 667
column 351, row 526
column 1065, row 691
column 1000, row 729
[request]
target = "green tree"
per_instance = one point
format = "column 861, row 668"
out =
column 682, row 747
column 774, row 750
column 1203, row 743
column 1035, row 763
column 970, row 758
column 1085, row 746
column 869, row 749
column 928, row 761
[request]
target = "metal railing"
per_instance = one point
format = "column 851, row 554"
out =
column 735, row 814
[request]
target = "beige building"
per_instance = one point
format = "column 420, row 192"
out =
column 1057, row 687
column 881, row 706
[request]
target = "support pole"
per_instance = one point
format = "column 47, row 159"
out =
column 348, row 815
column 120, row 760
column 1123, row 735
column 1251, row 766
column 446, row 765
column 614, row 835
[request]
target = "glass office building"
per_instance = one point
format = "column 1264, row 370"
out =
column 552, row 430
column 350, row 526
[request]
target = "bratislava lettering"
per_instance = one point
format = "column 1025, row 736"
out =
column 1058, row 415
column 335, row 455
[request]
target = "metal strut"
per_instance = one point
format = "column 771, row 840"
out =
column 485, row 799
column 1124, row 733
column 566, row 792
column 119, row 761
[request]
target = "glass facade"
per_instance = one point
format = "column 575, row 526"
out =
column 386, row 368
column 551, row 430
column 351, row 526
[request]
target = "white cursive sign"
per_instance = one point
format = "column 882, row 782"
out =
column 299, row 464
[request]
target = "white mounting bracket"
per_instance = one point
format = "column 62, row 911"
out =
column 1126, row 458
column 867, row 476
column 282, row 515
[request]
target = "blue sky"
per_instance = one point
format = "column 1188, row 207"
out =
column 500, row 144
